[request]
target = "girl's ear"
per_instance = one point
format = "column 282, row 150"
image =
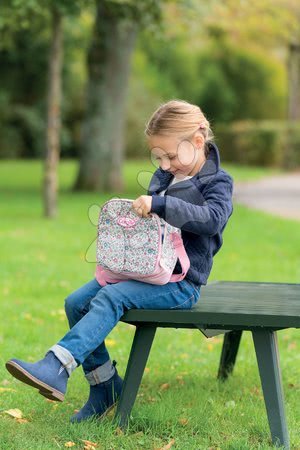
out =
column 198, row 140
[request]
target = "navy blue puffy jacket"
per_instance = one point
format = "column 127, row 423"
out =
column 200, row 207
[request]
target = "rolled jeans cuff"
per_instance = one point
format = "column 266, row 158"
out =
column 101, row 373
column 65, row 357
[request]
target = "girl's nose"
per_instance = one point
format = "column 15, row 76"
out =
column 165, row 165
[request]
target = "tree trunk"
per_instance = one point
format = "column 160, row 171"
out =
column 53, row 117
column 102, row 139
column 294, row 82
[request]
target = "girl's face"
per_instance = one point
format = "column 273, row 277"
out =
column 181, row 157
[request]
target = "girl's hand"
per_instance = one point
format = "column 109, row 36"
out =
column 142, row 205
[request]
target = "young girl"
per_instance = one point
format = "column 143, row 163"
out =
column 190, row 191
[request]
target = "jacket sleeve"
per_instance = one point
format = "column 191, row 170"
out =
column 209, row 218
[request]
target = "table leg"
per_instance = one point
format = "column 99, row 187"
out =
column 139, row 353
column 267, row 354
column 230, row 348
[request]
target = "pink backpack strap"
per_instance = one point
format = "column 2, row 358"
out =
column 103, row 276
column 182, row 256
column 100, row 276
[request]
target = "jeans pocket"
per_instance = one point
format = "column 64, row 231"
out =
column 187, row 304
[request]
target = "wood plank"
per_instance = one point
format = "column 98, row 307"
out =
column 237, row 304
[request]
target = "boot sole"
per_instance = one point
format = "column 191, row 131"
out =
column 24, row 376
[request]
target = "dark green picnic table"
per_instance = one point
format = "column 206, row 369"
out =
column 262, row 308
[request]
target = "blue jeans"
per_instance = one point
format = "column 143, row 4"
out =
column 93, row 311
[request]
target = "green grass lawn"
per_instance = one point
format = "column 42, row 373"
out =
column 180, row 401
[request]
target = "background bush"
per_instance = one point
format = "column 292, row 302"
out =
column 264, row 143
column 229, row 82
column 236, row 83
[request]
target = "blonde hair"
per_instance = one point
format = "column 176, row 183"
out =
column 180, row 118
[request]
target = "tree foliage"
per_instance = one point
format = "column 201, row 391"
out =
column 197, row 51
column 268, row 24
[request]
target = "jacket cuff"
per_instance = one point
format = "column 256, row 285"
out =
column 158, row 205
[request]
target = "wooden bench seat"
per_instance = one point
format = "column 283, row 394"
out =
column 262, row 308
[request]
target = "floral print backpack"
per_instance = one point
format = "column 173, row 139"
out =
column 137, row 248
